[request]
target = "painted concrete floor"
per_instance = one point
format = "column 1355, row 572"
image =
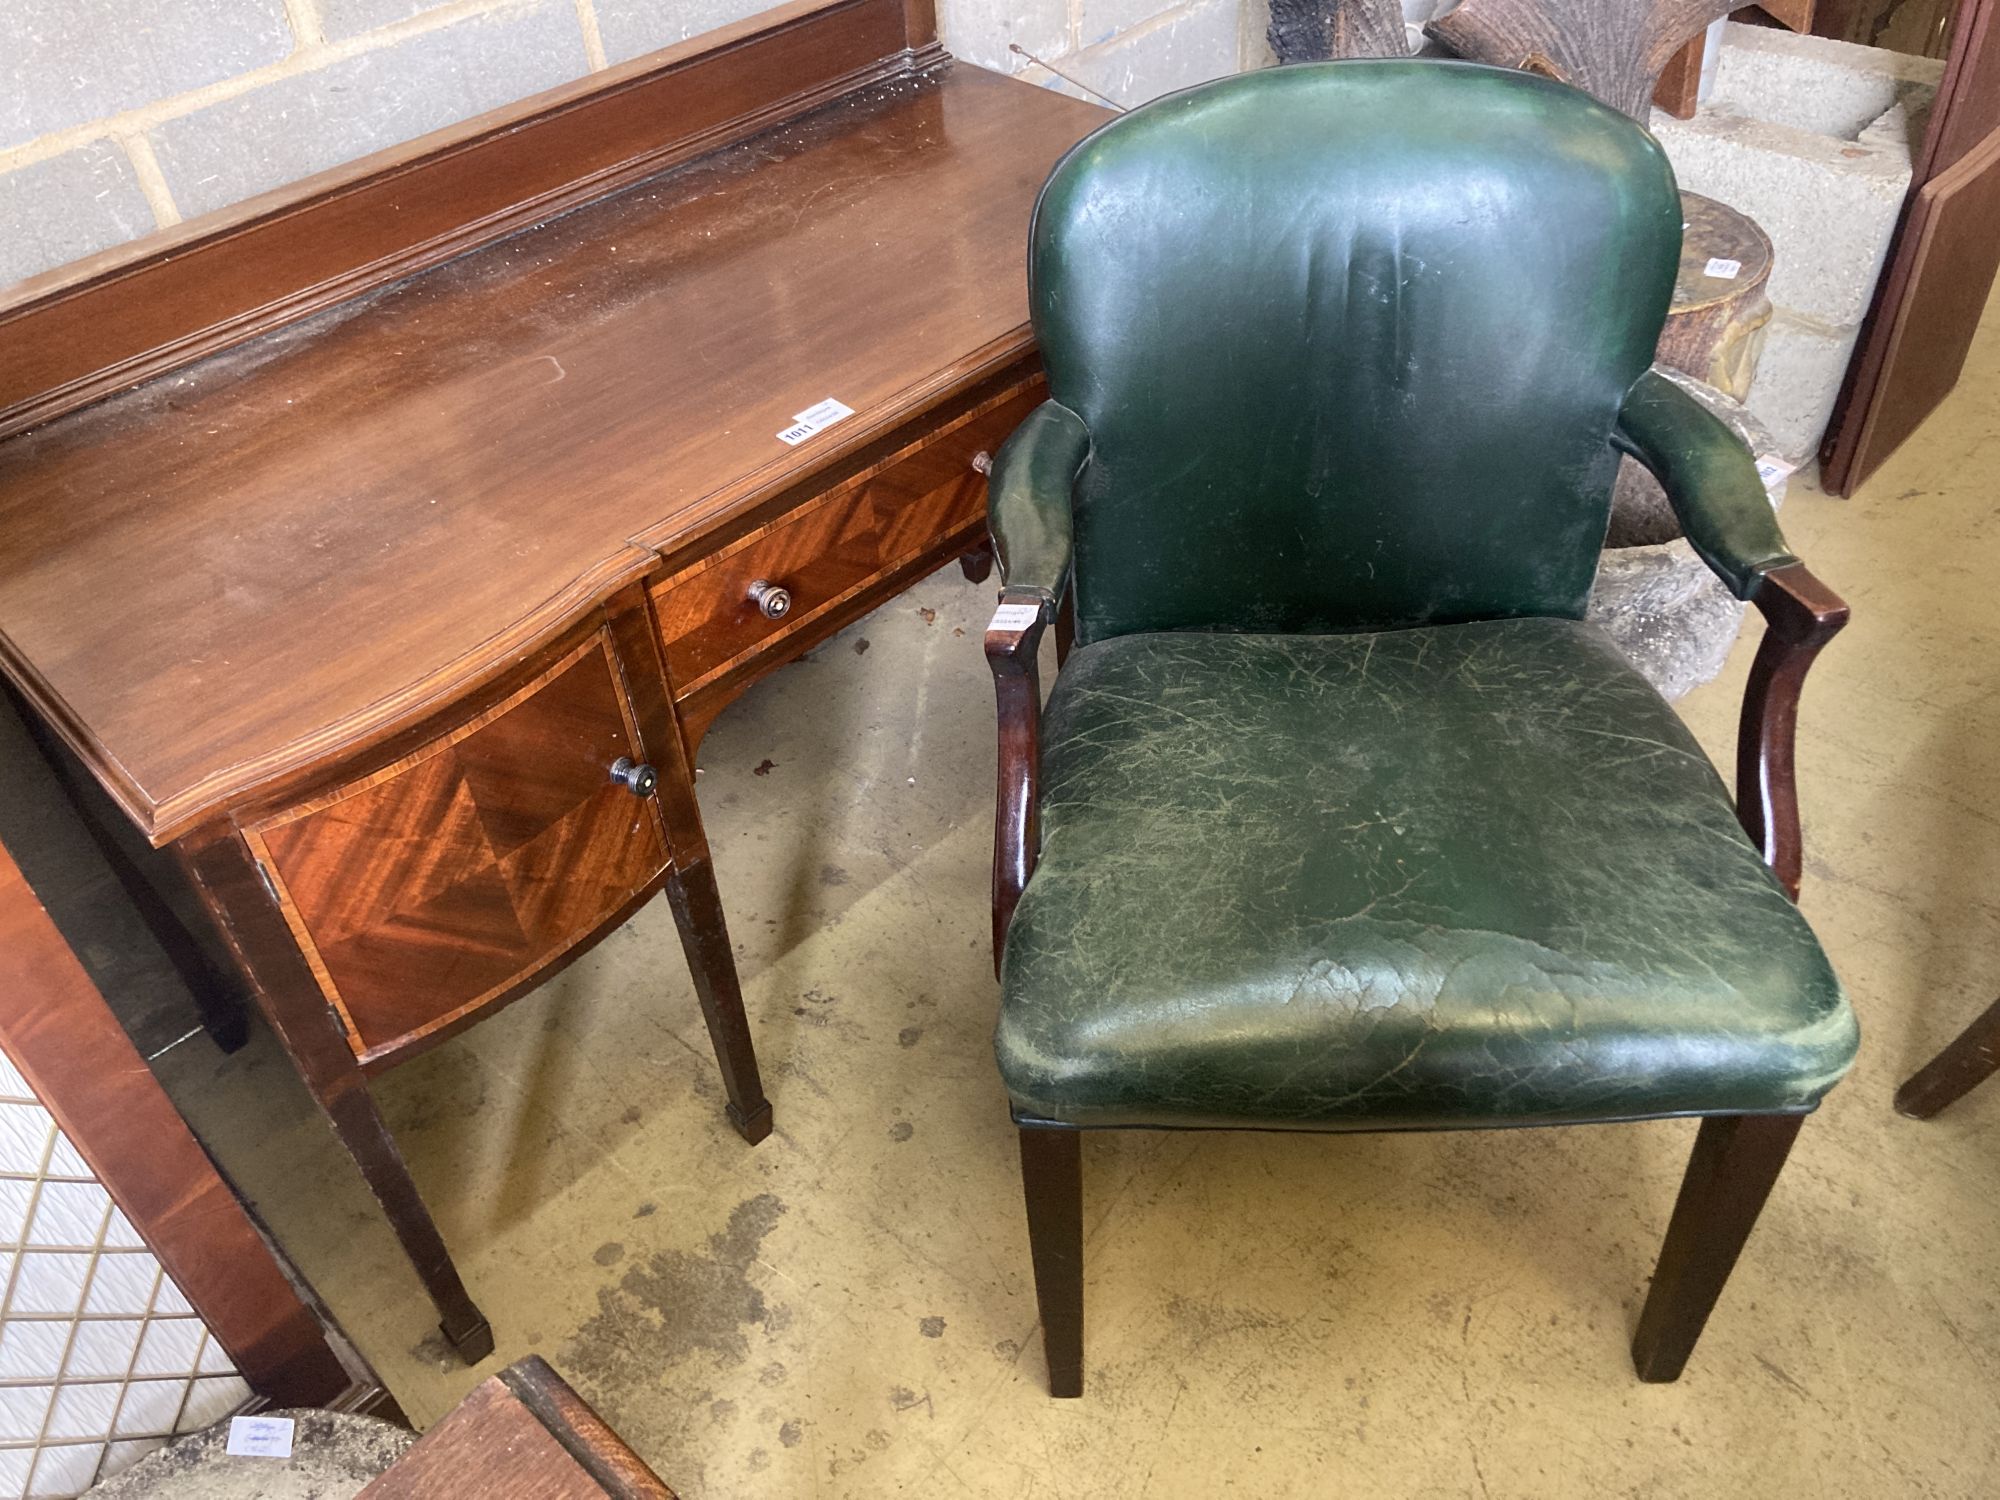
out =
column 847, row 1310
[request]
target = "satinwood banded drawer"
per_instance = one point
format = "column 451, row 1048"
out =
column 424, row 890
column 784, row 578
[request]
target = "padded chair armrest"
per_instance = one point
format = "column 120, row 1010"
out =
column 1710, row 479
column 1712, row 483
column 1028, row 497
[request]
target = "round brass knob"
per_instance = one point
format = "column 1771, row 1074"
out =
column 982, row 462
column 772, row 601
column 639, row 780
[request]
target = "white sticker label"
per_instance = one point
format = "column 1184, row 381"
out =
column 260, row 1437
column 1771, row 468
column 1014, row 617
column 1723, row 270
column 816, row 418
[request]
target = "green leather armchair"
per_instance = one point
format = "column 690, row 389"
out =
column 1339, row 816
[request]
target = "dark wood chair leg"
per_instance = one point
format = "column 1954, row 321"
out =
column 977, row 565
column 1052, row 1178
column 225, row 876
column 1971, row 1059
column 1736, row 1160
column 697, row 908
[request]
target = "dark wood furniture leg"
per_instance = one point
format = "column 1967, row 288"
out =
column 1971, row 1059
column 1736, row 1160
column 1737, row 1157
column 244, row 911
column 977, row 565
column 691, row 889
column 697, row 908
column 1052, row 1178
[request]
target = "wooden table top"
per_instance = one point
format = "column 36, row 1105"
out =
column 287, row 547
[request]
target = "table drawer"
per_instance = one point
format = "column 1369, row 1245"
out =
column 424, row 890
column 828, row 551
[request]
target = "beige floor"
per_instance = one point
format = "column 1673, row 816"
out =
column 846, row 1310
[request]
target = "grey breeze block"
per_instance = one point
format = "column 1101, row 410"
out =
column 1811, row 138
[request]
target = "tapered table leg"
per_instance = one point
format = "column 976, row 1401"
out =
column 697, row 908
column 691, row 889
column 290, row 998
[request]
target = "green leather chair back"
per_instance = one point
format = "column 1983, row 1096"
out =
column 1349, row 339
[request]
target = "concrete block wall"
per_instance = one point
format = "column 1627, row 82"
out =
column 1811, row 138
column 118, row 119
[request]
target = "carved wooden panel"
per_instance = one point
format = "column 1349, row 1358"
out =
column 829, row 551
column 440, row 881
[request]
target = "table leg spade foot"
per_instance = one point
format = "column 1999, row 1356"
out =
column 754, row 1125
column 470, row 1334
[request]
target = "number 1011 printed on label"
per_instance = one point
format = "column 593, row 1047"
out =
column 815, row 418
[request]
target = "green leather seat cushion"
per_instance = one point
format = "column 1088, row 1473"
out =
column 1473, row 874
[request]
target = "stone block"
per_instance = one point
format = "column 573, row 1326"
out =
column 345, row 18
column 979, row 31
column 69, row 206
column 1829, row 205
column 632, row 28
column 308, row 122
column 1181, row 48
column 79, row 60
column 1798, row 379
column 1812, row 83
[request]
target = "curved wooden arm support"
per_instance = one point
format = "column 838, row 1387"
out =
column 1014, row 655
column 1801, row 614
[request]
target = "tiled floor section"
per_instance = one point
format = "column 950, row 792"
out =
column 101, row 1358
column 846, row 1310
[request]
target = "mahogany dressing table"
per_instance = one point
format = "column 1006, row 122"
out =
column 384, row 546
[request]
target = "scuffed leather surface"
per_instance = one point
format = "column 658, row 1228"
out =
column 1469, row 875
column 1710, row 480
column 1028, row 499
column 1349, row 340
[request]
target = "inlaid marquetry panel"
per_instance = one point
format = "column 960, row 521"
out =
column 431, row 886
column 827, row 552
